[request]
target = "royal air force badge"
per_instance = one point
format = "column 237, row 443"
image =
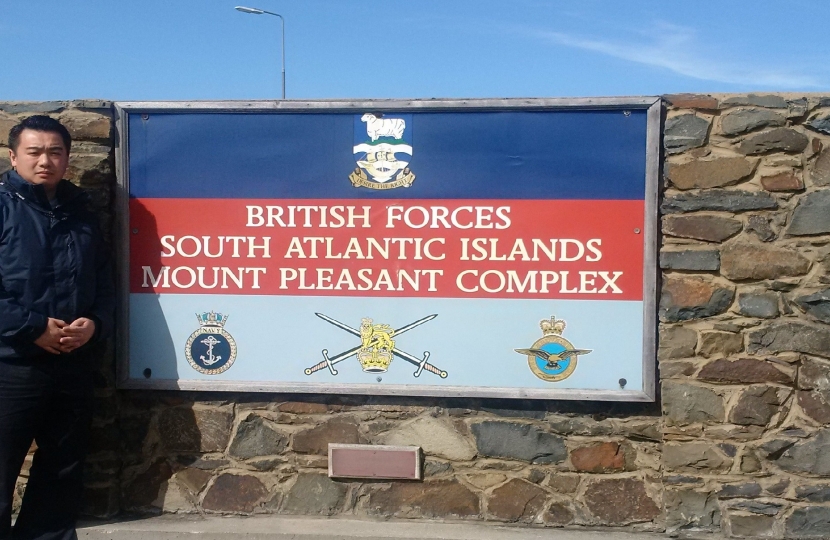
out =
column 211, row 350
column 382, row 150
column 552, row 358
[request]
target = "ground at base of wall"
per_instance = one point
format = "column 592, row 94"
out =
column 179, row 527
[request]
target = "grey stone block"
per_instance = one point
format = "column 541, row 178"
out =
column 34, row 107
column 743, row 120
column 791, row 336
column 751, row 526
column 254, row 437
column 774, row 140
column 812, row 215
column 769, row 101
column 809, row 456
column 518, row 441
column 761, row 305
column 817, row 493
column 314, row 494
column 810, row 522
column 817, row 305
column 740, row 491
column 820, row 123
column 684, row 132
column 686, row 404
column 690, row 260
column 719, row 200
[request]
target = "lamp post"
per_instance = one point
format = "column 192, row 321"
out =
column 257, row 11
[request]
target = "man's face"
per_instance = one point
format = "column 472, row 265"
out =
column 40, row 158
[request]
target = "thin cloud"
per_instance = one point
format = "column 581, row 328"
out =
column 676, row 48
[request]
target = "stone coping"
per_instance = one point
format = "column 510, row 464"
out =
column 180, row 527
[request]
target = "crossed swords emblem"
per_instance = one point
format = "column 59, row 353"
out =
column 421, row 363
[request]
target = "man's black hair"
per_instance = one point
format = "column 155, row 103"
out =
column 39, row 122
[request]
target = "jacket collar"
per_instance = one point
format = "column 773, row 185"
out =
column 65, row 193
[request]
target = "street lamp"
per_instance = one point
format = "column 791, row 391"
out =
column 257, row 11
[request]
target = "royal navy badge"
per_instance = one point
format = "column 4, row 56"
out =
column 552, row 358
column 211, row 350
column 382, row 150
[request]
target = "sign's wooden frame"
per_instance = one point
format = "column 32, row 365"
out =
column 652, row 105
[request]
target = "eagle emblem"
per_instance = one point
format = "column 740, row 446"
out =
column 552, row 358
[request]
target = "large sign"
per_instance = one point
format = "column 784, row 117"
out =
column 498, row 248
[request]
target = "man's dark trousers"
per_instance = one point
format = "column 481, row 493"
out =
column 48, row 400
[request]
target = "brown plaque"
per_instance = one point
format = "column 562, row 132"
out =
column 374, row 461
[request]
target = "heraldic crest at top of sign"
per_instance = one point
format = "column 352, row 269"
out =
column 552, row 358
column 382, row 150
column 376, row 348
column 210, row 350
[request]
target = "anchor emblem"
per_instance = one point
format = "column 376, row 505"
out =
column 210, row 350
column 210, row 341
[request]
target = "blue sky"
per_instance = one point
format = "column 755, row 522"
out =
column 203, row 49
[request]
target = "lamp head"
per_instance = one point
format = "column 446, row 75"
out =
column 253, row 11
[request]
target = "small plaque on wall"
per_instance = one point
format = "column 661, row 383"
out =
column 374, row 461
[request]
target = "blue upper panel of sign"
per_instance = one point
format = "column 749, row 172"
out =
column 560, row 154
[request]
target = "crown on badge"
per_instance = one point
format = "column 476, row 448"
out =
column 552, row 326
column 212, row 319
column 375, row 361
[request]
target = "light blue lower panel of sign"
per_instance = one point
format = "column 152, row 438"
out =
column 279, row 339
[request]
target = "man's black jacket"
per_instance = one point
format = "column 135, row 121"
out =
column 53, row 263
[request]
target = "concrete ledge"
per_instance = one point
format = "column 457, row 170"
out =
column 189, row 527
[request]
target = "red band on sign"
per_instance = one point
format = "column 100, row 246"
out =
column 412, row 248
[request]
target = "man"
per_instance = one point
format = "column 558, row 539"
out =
column 56, row 299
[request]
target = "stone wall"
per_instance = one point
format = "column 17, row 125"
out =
column 734, row 447
column 744, row 315
column 528, row 462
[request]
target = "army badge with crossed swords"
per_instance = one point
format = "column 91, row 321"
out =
column 376, row 348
